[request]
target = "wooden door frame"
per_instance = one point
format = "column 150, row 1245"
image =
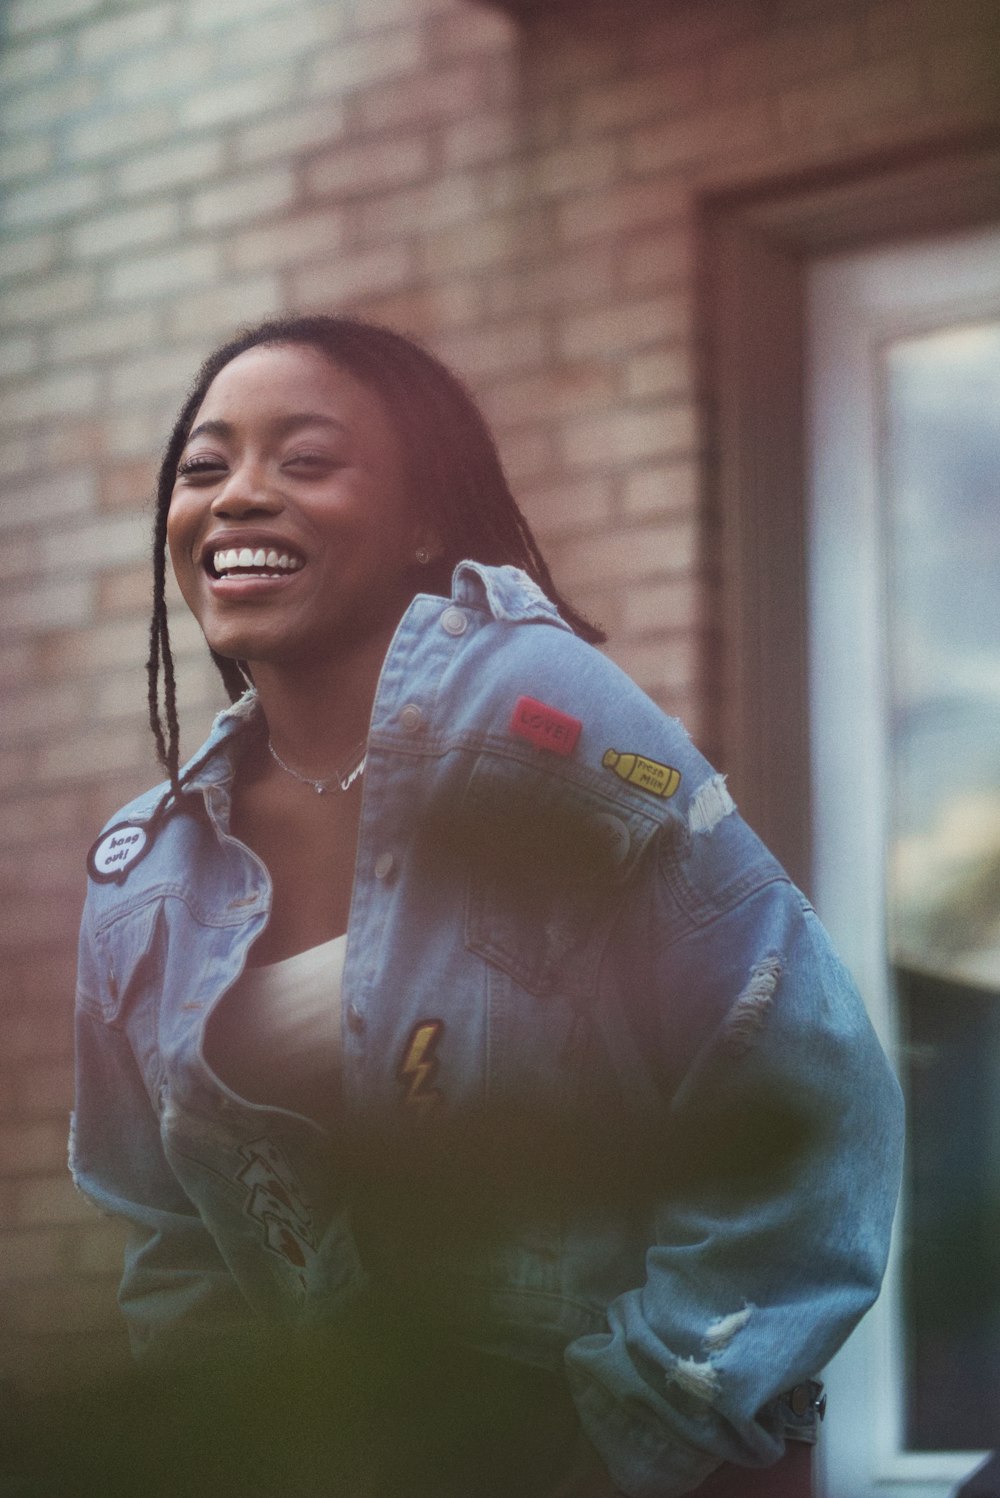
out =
column 758, row 243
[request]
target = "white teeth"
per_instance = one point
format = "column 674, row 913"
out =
column 243, row 558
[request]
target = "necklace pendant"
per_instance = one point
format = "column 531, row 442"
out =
column 319, row 788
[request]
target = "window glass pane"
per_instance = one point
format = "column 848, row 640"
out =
column 942, row 516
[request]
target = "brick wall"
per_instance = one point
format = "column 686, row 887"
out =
column 523, row 197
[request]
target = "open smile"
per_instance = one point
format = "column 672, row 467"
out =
column 245, row 561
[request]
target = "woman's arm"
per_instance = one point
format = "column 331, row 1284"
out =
column 776, row 1178
column 176, row 1289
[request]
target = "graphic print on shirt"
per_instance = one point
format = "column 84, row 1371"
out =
column 417, row 1069
column 275, row 1201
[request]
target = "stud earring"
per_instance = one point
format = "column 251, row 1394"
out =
column 423, row 555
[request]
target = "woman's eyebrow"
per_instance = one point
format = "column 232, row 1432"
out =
column 282, row 425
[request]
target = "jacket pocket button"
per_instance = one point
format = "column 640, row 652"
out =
column 410, row 718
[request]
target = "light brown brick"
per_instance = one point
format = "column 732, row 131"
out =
column 170, row 73
column 166, row 374
column 493, row 351
column 128, row 590
column 218, row 312
column 37, row 709
column 622, row 209
column 355, row 64
column 744, row 129
column 32, row 61
column 428, row 309
column 564, row 279
column 348, row 277
column 619, row 327
column 625, row 436
column 417, row 210
column 48, row 298
column 667, row 668
column 660, row 372
column 18, row 354
column 166, row 271
column 42, row 606
column 53, row 198
column 292, row 131
column 663, row 488
column 113, row 749
column 583, row 504
column 470, row 30
column 559, row 391
column 196, row 17
column 94, row 544
column 428, row 97
column 26, row 16
column 47, row 104
column 873, row 90
column 660, row 257
column 653, row 608
column 487, row 242
column 28, row 818
column 26, row 156
column 481, row 138
column 604, row 106
column 29, row 253
column 111, row 333
column 124, row 33
column 243, row 198
column 176, row 166
column 119, row 134
column 50, row 396
column 124, row 229
column 297, row 239
column 218, row 103
column 358, row 170
column 627, row 555
column 529, row 455
column 376, row 15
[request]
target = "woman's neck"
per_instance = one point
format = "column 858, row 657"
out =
column 318, row 711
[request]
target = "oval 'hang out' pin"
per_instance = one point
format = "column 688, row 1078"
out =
column 116, row 851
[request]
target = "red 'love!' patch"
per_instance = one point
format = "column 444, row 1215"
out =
column 545, row 726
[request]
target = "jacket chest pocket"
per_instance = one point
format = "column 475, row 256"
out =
column 550, row 862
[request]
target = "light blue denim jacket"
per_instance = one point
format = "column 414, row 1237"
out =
column 626, row 1110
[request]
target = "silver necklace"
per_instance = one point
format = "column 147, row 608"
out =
column 344, row 778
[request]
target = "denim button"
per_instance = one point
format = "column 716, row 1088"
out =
column 454, row 622
column 384, row 865
column 410, row 718
column 355, row 1020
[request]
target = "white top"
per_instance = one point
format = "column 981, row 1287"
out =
column 275, row 1037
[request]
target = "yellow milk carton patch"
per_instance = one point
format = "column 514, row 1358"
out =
column 648, row 774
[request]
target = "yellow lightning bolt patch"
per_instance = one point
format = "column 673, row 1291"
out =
column 419, row 1066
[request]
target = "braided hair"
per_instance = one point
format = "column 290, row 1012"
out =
column 457, row 481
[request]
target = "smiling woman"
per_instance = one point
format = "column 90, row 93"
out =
column 443, row 1001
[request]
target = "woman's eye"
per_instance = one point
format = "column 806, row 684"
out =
column 199, row 464
column 315, row 462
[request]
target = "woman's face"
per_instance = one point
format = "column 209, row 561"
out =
column 291, row 529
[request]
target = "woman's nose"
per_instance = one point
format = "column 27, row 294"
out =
column 245, row 492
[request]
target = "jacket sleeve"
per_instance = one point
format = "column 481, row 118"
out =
column 176, row 1291
column 776, row 1168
